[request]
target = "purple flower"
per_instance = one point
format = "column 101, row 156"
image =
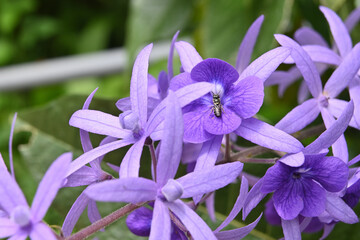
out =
column 165, row 191
column 21, row 221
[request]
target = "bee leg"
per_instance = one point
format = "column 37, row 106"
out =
column 212, row 111
column 222, row 109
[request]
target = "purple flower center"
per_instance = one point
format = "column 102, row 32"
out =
column 323, row 101
column 21, row 216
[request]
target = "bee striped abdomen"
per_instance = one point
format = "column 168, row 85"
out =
column 217, row 105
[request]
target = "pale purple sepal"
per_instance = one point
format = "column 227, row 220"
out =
column 305, row 222
column 49, row 186
column 244, row 188
column 170, row 72
column 19, row 236
column 352, row 19
column 268, row 136
column 303, row 92
column 113, row 167
column 354, row 92
column 210, row 206
column 328, row 137
column 10, row 146
column 2, row 164
column 338, row 29
column 308, row 36
column 93, row 212
column 304, row 64
column 7, row 227
column 42, row 232
column 266, row 64
column 160, row 224
column 322, row 54
column 95, row 153
column 98, row 122
column 293, row 160
column 130, row 164
column 82, row 177
column 299, row 117
column 339, row 147
column 10, row 192
column 189, row 57
column 253, row 198
column 74, row 214
column 338, row 209
column 133, row 190
column 139, row 84
column 171, row 143
column 247, row 44
column 198, row 229
column 208, row 154
column 343, row 74
column 327, row 230
column 124, row 104
column 336, row 108
column 291, row 229
column 238, row 233
column 354, row 160
column 209, row 180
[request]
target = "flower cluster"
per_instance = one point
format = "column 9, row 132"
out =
column 194, row 119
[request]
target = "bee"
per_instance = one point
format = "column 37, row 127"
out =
column 217, row 108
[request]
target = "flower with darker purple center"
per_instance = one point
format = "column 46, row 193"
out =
column 222, row 110
column 302, row 190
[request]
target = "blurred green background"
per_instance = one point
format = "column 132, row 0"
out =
column 35, row 30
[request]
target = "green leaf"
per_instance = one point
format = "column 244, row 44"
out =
column 150, row 20
column 225, row 23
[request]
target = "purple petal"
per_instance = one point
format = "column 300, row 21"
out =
column 11, row 194
column 291, row 229
column 293, row 160
column 339, row 147
column 185, row 96
column 194, row 131
column 304, row 64
column 171, row 56
column 21, row 235
column 130, row 164
column 171, row 143
column 308, row 36
column 314, row 199
column 225, row 124
column 95, row 153
column 42, row 232
column 327, row 230
column 160, row 224
column 10, row 146
column 74, row 214
column 322, row 54
column 337, row 106
column 7, row 227
column 287, row 200
column 194, row 224
column 238, row 233
column 132, row 190
column 253, row 198
column 99, row 123
column 163, row 84
column 214, row 71
column 49, row 186
column 189, row 57
column 337, row 208
column 268, row 136
column 266, row 64
column 327, row 138
column 139, row 221
column 299, row 117
column 247, row 45
column 93, row 211
column 208, row 154
column 196, row 183
column 352, row 19
column 244, row 188
column 246, row 97
column 139, row 84
column 332, row 173
column 338, row 30
column 82, row 177
column 275, row 177
column 342, row 76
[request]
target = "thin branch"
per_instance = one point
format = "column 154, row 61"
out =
column 104, row 222
column 227, row 147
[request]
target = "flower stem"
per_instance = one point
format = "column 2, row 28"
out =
column 100, row 224
column 227, row 148
column 153, row 158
